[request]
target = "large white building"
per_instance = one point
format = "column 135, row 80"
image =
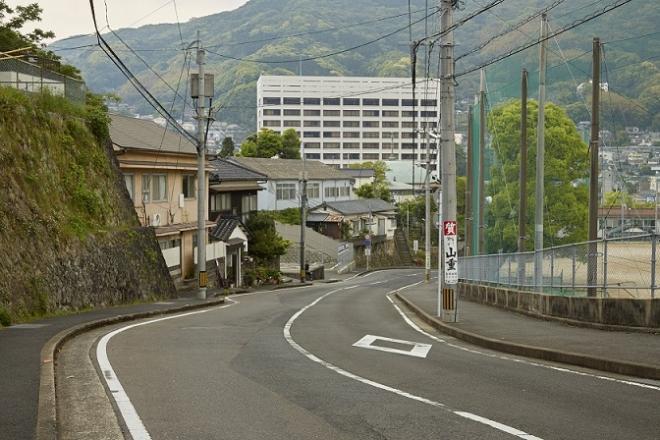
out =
column 343, row 120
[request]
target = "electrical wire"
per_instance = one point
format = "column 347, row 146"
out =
column 609, row 8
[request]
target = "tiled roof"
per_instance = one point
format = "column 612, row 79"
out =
column 228, row 170
column 360, row 206
column 289, row 169
column 224, row 227
column 127, row 132
column 359, row 172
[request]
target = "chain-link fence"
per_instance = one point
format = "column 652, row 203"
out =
column 36, row 78
column 615, row 268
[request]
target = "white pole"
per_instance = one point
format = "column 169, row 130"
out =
column 201, row 177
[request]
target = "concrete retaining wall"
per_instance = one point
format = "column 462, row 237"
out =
column 604, row 311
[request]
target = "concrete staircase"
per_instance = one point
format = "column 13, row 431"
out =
column 402, row 247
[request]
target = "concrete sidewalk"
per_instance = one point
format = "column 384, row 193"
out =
column 20, row 359
column 499, row 329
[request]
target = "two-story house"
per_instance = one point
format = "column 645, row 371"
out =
column 160, row 171
column 282, row 187
column 233, row 190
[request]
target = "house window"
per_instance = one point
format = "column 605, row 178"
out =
column 390, row 124
column 312, row 112
column 272, row 101
column 331, row 101
column 169, row 244
column 352, row 134
column 371, row 135
column 331, row 191
column 249, row 203
column 291, row 101
column 370, row 156
column 371, row 145
column 312, row 134
column 312, row 123
column 344, row 191
column 271, row 123
column 154, row 188
column 313, row 190
column 351, row 112
column 331, row 156
column 271, row 112
column 371, row 113
column 370, row 101
column 408, row 102
column 331, row 144
column 408, row 114
column 331, row 134
column 313, row 156
column 351, row 123
column 220, row 202
column 129, row 179
column 429, row 103
column 391, row 102
column 312, row 145
column 291, row 112
column 429, row 114
column 331, row 113
column 371, row 124
column 331, row 123
column 352, row 145
column 352, row 156
column 312, row 101
column 391, row 113
column 285, row 191
column 351, row 101
column 189, row 186
column 292, row 123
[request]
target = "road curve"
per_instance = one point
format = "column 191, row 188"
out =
column 284, row 366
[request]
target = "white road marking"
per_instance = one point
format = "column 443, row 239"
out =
column 287, row 335
column 417, row 349
column 126, row 408
column 378, row 282
column 511, row 359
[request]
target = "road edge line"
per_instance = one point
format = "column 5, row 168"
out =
column 47, row 402
column 564, row 357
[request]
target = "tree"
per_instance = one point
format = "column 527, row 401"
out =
column 566, row 177
column 268, row 144
column 266, row 245
column 379, row 189
column 12, row 20
column 227, row 147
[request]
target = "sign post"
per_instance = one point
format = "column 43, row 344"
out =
column 450, row 273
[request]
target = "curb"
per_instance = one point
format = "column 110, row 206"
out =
column 379, row 269
column 564, row 357
column 47, row 406
column 289, row 286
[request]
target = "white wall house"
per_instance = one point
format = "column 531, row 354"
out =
column 282, row 188
column 344, row 120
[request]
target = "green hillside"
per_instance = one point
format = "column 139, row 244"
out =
column 262, row 29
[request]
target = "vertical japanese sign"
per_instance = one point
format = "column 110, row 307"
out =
column 451, row 252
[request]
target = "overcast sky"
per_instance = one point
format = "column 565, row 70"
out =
column 73, row 17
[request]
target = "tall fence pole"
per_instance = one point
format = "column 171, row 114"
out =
column 592, row 274
column 654, row 241
column 552, row 269
column 604, row 267
column 573, row 269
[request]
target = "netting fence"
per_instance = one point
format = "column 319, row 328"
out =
column 35, row 78
column 620, row 268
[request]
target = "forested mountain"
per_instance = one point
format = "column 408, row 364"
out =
column 284, row 32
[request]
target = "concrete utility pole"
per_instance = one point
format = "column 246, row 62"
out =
column 201, row 172
column 522, row 207
column 482, row 159
column 468, row 188
column 448, row 147
column 303, row 220
column 592, row 262
column 427, row 201
column 540, row 161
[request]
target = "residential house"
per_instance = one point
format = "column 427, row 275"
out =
column 160, row 171
column 233, row 189
column 361, row 176
column 282, row 188
column 355, row 220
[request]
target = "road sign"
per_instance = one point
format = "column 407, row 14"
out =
column 450, row 229
column 367, row 252
column 367, row 243
column 415, row 246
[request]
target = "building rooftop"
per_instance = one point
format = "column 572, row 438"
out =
column 229, row 170
column 359, row 206
column 132, row 133
column 289, row 169
column 359, row 172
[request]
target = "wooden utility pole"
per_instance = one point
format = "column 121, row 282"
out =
column 482, row 154
column 522, row 207
column 540, row 161
column 468, row 188
column 592, row 266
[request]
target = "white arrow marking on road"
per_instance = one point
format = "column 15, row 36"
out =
column 417, row 350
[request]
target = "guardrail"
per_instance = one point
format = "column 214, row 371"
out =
column 624, row 267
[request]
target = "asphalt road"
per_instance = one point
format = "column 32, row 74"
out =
column 283, row 366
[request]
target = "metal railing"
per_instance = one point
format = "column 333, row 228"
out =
column 33, row 78
column 623, row 268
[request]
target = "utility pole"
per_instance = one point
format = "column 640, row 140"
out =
column 450, row 254
column 522, row 209
column 540, row 161
column 427, row 232
column 592, row 262
column 482, row 158
column 303, row 220
column 468, row 187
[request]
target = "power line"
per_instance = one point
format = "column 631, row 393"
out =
column 637, row 37
column 609, row 8
column 514, row 27
column 327, row 55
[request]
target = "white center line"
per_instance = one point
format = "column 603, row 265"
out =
column 466, row 415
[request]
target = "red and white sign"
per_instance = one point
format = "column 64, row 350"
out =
column 450, row 228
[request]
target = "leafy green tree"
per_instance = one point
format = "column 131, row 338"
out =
column 268, row 144
column 290, row 144
column 227, row 147
column 266, row 245
column 566, row 173
column 13, row 20
column 379, row 189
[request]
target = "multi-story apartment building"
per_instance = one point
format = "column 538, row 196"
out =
column 343, row 120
